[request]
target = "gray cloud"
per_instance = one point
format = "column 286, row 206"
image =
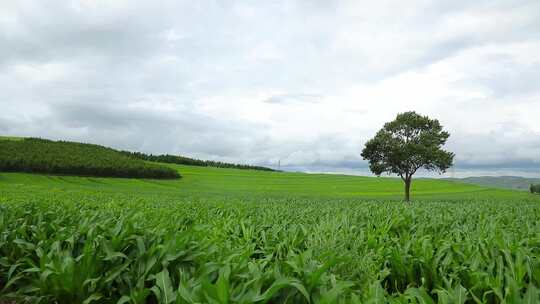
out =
column 159, row 131
column 514, row 79
column 305, row 83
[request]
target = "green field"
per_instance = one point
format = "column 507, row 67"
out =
column 244, row 236
column 204, row 182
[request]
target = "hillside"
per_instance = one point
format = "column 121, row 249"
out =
column 505, row 182
column 34, row 155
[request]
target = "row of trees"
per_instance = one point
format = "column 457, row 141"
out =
column 535, row 188
column 182, row 160
column 61, row 157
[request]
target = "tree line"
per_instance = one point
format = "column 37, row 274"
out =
column 36, row 155
column 535, row 188
column 182, row 160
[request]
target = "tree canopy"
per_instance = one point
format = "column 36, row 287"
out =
column 406, row 144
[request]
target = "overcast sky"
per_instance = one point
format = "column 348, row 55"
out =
column 304, row 82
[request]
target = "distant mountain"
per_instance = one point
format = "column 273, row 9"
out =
column 507, row 182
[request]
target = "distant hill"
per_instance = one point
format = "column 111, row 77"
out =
column 507, row 182
column 35, row 155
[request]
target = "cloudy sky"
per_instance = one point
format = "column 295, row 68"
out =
column 304, row 82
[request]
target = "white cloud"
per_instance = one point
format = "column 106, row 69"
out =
column 304, row 82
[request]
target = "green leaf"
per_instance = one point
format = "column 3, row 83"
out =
column 222, row 285
column 296, row 284
column 115, row 272
column 123, row 300
column 166, row 291
column 93, row 297
column 271, row 291
column 420, row 295
column 24, row 244
column 532, row 295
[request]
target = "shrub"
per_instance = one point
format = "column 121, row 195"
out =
column 535, row 188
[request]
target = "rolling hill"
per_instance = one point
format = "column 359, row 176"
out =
column 506, row 182
column 35, row 155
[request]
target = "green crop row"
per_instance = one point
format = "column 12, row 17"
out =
column 99, row 248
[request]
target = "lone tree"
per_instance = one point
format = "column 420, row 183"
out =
column 408, row 143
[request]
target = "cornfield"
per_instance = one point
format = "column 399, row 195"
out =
column 82, row 248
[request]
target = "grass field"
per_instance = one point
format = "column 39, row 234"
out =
column 203, row 182
column 242, row 236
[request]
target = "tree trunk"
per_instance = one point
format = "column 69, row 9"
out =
column 407, row 189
